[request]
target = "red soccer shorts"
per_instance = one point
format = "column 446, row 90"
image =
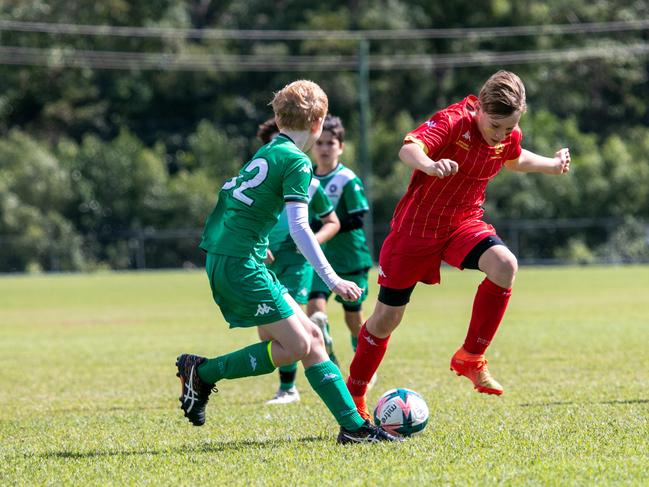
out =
column 406, row 260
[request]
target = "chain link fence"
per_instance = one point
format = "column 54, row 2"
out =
column 534, row 242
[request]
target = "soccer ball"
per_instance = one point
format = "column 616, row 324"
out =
column 402, row 412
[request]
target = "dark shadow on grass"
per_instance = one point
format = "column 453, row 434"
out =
column 212, row 447
column 570, row 403
column 627, row 401
column 112, row 408
column 543, row 404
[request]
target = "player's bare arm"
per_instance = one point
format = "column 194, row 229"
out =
column 414, row 156
column 531, row 162
column 330, row 227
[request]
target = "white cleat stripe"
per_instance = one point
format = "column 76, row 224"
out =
column 191, row 394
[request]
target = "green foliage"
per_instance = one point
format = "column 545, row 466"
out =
column 629, row 243
column 211, row 150
column 35, row 189
column 133, row 150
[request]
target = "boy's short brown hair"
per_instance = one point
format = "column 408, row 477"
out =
column 267, row 130
column 334, row 125
column 503, row 94
column 299, row 104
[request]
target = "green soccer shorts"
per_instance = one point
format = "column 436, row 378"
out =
column 359, row 277
column 247, row 293
column 295, row 277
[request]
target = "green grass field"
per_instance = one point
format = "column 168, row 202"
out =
column 88, row 393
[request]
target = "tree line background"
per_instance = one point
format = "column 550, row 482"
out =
column 93, row 159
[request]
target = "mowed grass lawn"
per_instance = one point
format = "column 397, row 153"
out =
column 88, row 393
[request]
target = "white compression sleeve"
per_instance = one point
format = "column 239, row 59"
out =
column 298, row 223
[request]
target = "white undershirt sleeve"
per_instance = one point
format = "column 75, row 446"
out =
column 298, row 224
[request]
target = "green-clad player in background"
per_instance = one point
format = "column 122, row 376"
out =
column 347, row 251
column 236, row 241
column 289, row 265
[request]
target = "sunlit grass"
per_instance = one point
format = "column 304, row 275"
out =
column 88, row 393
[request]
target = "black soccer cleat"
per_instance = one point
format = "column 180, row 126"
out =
column 195, row 392
column 368, row 433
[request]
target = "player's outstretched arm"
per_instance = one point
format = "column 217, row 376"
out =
column 414, row 156
column 298, row 223
column 531, row 162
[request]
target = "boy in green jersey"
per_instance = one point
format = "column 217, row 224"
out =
column 347, row 251
column 289, row 265
column 236, row 241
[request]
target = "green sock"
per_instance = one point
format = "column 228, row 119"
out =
column 251, row 360
column 354, row 343
column 328, row 383
column 287, row 375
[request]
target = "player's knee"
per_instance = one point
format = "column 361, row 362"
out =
column 509, row 266
column 299, row 347
column 505, row 270
column 316, row 335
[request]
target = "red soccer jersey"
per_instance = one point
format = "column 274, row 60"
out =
column 434, row 207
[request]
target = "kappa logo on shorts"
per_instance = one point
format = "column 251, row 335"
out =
column 263, row 309
column 253, row 361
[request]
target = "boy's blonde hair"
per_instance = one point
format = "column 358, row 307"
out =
column 299, row 104
column 503, row 94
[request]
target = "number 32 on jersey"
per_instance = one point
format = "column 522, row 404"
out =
column 239, row 193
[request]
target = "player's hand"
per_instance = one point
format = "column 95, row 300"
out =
column 442, row 168
column 562, row 159
column 348, row 290
column 270, row 258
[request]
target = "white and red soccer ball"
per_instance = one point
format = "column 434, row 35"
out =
column 402, row 412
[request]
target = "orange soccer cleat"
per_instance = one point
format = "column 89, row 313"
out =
column 361, row 405
column 474, row 367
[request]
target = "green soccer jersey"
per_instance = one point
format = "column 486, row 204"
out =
column 250, row 203
column 346, row 251
column 281, row 243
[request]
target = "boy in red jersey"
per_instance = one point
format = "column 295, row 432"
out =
column 454, row 155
